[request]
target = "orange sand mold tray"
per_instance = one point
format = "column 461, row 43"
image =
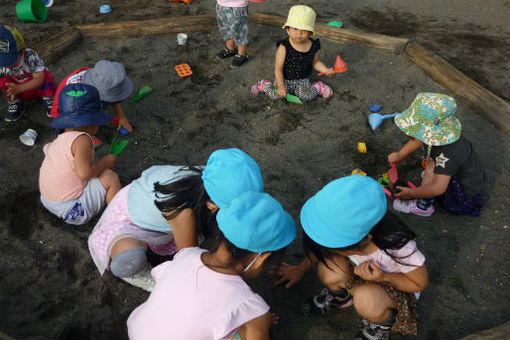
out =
column 183, row 70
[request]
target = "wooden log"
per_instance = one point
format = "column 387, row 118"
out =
column 132, row 29
column 387, row 43
column 490, row 106
column 51, row 50
column 497, row 333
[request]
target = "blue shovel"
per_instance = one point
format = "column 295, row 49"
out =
column 375, row 119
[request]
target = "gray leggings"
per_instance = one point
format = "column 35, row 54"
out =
column 129, row 262
column 302, row 88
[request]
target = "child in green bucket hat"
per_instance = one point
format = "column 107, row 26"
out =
column 453, row 174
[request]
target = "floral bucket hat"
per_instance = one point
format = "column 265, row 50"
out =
column 430, row 118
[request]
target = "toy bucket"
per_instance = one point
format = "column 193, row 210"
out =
column 31, row 11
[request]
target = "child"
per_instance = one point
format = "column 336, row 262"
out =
column 202, row 295
column 296, row 58
column 72, row 186
column 364, row 258
column 165, row 210
column 453, row 173
column 23, row 76
column 232, row 17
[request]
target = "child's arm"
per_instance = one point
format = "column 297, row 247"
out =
column 411, row 146
column 411, row 282
column 258, row 328
column 434, row 188
column 319, row 66
column 83, row 150
column 123, row 121
column 14, row 89
column 183, row 229
column 278, row 70
column 293, row 273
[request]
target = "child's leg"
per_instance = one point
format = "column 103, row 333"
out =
column 224, row 18
column 372, row 302
column 304, row 90
column 269, row 89
column 110, row 181
column 128, row 257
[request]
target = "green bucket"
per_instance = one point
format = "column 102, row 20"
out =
column 31, row 11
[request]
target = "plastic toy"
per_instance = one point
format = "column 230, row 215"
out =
column 362, row 147
column 340, row 66
column 375, row 119
column 291, row 98
column 393, row 174
column 118, row 145
column 335, row 23
column 183, row 70
column 48, row 3
column 187, row 2
column 358, row 171
column 144, row 92
column 105, row 9
column 424, row 163
column 123, row 131
column 375, row 108
column 31, row 11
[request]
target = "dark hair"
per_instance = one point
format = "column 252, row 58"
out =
column 390, row 233
column 218, row 238
column 186, row 192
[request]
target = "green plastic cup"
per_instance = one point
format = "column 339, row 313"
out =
column 31, row 11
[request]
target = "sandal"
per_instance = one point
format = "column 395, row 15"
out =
column 325, row 301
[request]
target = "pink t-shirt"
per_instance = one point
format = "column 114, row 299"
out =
column 191, row 301
column 57, row 180
column 232, row 3
column 409, row 256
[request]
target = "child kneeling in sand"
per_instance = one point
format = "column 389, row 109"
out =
column 296, row 58
column 201, row 295
column 72, row 186
column 454, row 174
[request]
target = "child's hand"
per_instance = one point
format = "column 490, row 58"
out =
column 369, row 271
column 12, row 90
column 109, row 161
column 282, row 91
column 124, row 122
column 405, row 193
column 290, row 274
column 329, row 72
column 394, row 157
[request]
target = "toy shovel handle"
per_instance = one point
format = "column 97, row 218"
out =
column 390, row 116
column 321, row 74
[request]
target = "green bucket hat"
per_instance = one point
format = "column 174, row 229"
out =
column 430, row 118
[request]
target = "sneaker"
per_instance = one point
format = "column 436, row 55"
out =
column 48, row 104
column 372, row 331
column 142, row 280
column 15, row 110
column 239, row 60
column 410, row 206
column 324, row 90
column 260, row 86
column 226, row 53
column 325, row 301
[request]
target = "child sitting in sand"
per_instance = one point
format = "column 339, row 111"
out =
column 23, row 76
column 165, row 210
column 232, row 17
column 201, row 295
column 296, row 58
column 72, row 186
column 365, row 257
column 454, row 174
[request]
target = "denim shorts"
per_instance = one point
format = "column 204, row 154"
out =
column 233, row 23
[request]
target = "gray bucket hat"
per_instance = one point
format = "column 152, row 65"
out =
column 110, row 80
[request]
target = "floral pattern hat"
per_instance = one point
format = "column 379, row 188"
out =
column 430, row 118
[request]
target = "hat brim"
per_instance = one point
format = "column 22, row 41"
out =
column 121, row 91
column 8, row 59
column 68, row 122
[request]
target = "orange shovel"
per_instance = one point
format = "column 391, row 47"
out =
column 340, row 66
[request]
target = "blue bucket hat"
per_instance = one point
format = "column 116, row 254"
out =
column 79, row 105
column 344, row 211
column 11, row 43
column 228, row 173
column 110, row 80
column 255, row 221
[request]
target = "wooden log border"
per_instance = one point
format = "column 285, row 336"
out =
column 490, row 106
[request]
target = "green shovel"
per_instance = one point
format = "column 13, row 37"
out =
column 118, row 145
column 144, row 92
column 291, row 98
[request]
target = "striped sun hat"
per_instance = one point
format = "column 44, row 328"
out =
column 302, row 18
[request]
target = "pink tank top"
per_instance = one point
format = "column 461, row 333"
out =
column 57, row 179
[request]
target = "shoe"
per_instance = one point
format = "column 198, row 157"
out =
column 96, row 142
column 410, row 206
column 48, row 104
column 260, row 86
column 226, row 53
column 142, row 280
column 325, row 301
column 15, row 110
column 324, row 90
column 239, row 60
column 372, row 331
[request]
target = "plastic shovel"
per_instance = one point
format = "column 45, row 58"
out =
column 144, row 92
column 118, row 145
column 393, row 174
column 291, row 98
column 375, row 119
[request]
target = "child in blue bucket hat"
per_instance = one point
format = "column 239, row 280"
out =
column 72, row 185
column 169, row 207
column 453, row 172
column 201, row 294
column 364, row 256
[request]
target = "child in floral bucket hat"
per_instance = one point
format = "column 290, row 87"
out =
column 453, row 172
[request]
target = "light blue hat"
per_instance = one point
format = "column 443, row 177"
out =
column 255, row 221
column 344, row 211
column 229, row 173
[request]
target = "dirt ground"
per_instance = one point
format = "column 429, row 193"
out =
column 50, row 288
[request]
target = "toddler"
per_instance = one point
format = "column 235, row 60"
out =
column 72, row 186
column 296, row 58
column 201, row 295
column 232, row 17
column 454, row 174
column 23, row 76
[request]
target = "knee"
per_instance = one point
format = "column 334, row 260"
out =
column 129, row 262
column 370, row 301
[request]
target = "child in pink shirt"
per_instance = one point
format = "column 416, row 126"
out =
column 72, row 186
column 202, row 295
